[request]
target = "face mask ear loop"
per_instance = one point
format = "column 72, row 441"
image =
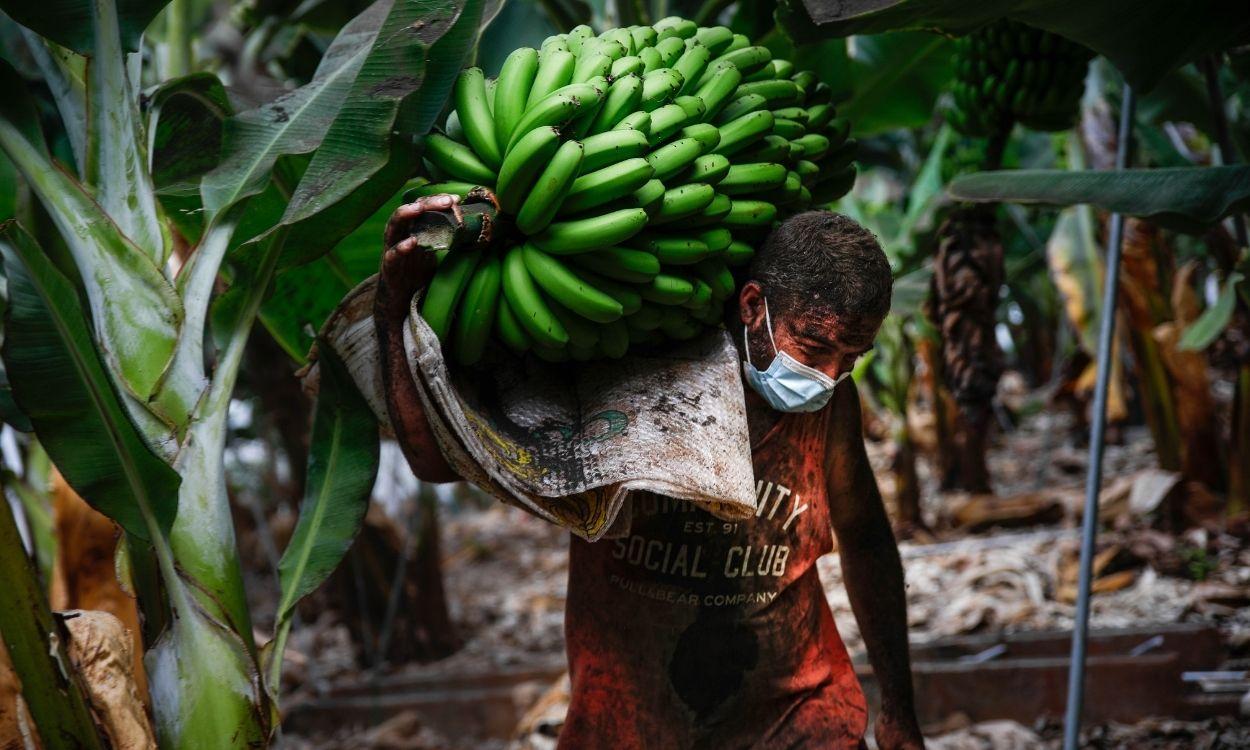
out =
column 746, row 344
column 768, row 319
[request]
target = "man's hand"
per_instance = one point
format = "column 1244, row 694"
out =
column 896, row 730
column 406, row 268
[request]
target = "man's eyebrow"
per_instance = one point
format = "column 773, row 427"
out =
column 815, row 335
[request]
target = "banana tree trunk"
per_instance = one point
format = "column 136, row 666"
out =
column 203, row 671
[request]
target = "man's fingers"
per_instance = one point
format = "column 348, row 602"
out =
column 401, row 219
column 404, row 246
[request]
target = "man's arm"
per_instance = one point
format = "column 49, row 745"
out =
column 407, row 267
column 871, row 570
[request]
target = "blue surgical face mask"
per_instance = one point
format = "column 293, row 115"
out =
column 788, row 384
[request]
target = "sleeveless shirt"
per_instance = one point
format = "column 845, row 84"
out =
column 694, row 632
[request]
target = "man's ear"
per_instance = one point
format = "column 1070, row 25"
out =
column 751, row 304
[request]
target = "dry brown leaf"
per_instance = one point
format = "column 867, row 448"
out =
column 1185, row 304
column 1150, row 488
column 101, row 652
column 978, row 512
column 1195, row 411
column 84, row 574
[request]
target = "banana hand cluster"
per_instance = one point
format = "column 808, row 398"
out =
column 632, row 169
column 1008, row 72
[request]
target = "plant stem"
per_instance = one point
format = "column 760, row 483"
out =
column 178, row 37
column 116, row 167
column 208, row 670
column 36, row 646
column 1228, row 155
column 1239, row 448
column 68, row 90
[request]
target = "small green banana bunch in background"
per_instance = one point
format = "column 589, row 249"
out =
column 1007, row 72
column 631, row 170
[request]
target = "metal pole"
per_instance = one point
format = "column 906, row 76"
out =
column 1093, row 480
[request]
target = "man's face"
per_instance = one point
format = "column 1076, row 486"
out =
column 819, row 340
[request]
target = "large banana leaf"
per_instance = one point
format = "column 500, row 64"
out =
column 367, row 155
column 881, row 81
column 1208, row 327
column 895, row 80
column 342, row 465
column 70, row 23
column 133, row 306
column 1076, row 268
column 304, row 296
column 60, row 383
column 1187, row 199
column 294, row 123
column 184, row 127
column 1144, row 39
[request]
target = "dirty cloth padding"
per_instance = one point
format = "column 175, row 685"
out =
column 570, row 441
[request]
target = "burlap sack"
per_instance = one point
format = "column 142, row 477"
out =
column 570, row 442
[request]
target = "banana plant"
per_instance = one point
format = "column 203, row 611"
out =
column 1185, row 199
column 111, row 321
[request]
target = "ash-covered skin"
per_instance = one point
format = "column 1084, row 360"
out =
column 817, row 337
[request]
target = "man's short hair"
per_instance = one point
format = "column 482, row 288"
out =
column 824, row 261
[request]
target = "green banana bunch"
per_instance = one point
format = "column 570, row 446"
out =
column 1008, row 72
column 633, row 171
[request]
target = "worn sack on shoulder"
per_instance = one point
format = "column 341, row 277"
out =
column 569, row 442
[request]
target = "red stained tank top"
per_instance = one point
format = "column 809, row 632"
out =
column 694, row 632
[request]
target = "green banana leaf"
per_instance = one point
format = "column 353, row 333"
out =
column 1076, row 268
column 368, row 154
column 1208, row 327
column 70, row 23
column 342, row 465
column 294, row 123
column 895, row 80
column 184, row 127
column 1144, row 39
column 1187, row 199
column 9, row 182
column 134, row 308
column 37, row 507
column 60, row 383
column 304, row 296
column 910, row 292
column 10, row 414
column 880, row 82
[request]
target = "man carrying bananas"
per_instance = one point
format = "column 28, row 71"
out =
column 694, row 632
